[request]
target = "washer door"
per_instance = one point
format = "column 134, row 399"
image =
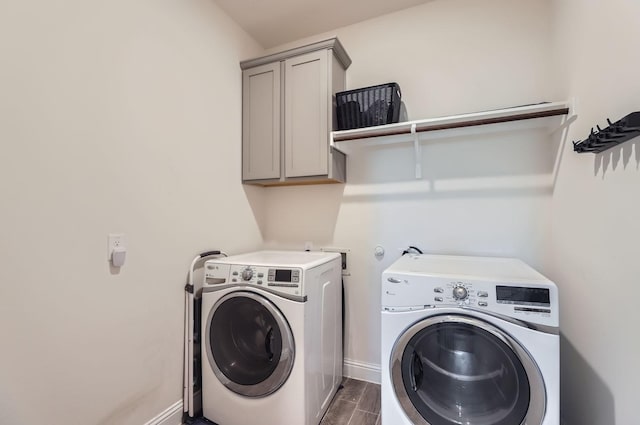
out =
column 249, row 344
column 459, row 370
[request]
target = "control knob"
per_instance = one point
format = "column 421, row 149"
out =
column 247, row 274
column 460, row 293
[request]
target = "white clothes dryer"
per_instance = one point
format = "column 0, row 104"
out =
column 469, row 341
column 272, row 346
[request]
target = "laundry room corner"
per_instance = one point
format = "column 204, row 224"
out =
column 319, row 212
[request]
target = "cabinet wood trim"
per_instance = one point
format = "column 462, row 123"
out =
column 332, row 43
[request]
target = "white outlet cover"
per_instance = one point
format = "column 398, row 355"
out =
column 116, row 240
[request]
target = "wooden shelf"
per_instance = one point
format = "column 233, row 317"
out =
column 498, row 116
column 549, row 115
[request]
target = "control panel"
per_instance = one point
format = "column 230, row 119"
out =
column 461, row 293
column 287, row 280
column 535, row 303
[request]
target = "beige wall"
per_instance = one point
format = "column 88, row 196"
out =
column 595, row 214
column 115, row 116
column 488, row 195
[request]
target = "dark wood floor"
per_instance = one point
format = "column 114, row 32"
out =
column 357, row 403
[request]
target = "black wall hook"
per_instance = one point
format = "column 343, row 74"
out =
column 618, row 132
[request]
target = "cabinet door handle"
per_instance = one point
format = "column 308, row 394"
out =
column 393, row 280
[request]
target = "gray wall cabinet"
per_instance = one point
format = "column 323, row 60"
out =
column 288, row 112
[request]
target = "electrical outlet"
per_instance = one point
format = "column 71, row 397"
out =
column 343, row 254
column 116, row 240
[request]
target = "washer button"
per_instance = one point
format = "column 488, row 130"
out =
column 483, row 294
column 235, row 273
column 259, row 281
column 438, row 290
column 482, row 303
column 439, row 299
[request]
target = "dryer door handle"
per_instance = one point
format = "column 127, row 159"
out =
column 267, row 344
column 393, row 280
column 415, row 371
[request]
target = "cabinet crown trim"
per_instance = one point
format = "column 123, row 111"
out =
column 332, row 43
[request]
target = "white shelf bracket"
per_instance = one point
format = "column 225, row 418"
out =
column 573, row 109
column 417, row 151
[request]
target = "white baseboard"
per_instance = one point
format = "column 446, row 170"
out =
column 172, row 415
column 362, row 371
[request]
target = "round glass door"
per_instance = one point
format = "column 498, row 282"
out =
column 458, row 370
column 249, row 344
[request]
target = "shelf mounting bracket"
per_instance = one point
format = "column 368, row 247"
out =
column 417, row 151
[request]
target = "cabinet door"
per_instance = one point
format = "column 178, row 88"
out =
column 306, row 110
column 261, row 142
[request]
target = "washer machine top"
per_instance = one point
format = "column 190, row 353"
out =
column 301, row 259
column 486, row 268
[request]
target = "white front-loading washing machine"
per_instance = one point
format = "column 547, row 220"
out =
column 272, row 343
column 469, row 341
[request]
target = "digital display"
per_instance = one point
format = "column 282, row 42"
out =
column 525, row 296
column 283, row 275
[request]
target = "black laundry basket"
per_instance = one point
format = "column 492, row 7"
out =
column 368, row 106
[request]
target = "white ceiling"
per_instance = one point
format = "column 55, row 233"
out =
column 275, row 22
